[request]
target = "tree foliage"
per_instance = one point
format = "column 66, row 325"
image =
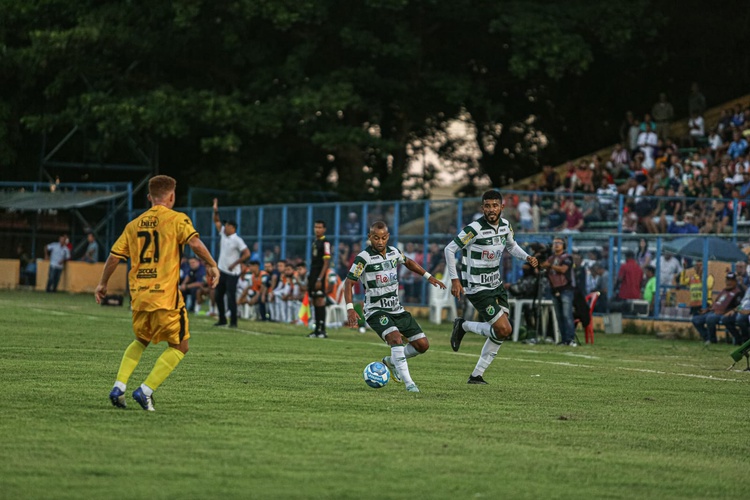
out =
column 274, row 99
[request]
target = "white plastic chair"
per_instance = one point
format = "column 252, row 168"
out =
column 442, row 299
column 336, row 316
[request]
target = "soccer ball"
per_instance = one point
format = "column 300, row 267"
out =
column 376, row 375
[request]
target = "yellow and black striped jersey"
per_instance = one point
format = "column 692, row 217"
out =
column 153, row 242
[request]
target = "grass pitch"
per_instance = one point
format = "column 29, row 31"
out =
column 263, row 412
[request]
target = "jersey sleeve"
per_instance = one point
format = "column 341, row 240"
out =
column 513, row 247
column 466, row 236
column 401, row 259
column 185, row 230
column 358, row 267
column 326, row 250
column 121, row 249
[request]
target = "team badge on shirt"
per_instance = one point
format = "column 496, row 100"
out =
column 383, row 320
column 490, row 310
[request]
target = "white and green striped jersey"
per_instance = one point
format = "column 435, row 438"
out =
column 379, row 275
column 482, row 247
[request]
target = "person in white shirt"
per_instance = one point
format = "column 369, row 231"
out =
column 525, row 216
column 57, row 253
column 647, row 142
column 697, row 128
column 233, row 251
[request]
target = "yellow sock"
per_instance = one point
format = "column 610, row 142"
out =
column 166, row 363
column 129, row 361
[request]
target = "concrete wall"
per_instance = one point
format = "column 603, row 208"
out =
column 82, row 277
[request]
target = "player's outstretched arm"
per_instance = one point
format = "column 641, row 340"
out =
column 416, row 268
column 212, row 271
column 352, row 316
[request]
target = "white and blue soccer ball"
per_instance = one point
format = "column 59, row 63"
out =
column 376, row 375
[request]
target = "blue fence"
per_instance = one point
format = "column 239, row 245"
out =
column 423, row 228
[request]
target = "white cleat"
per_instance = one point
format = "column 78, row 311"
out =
column 412, row 388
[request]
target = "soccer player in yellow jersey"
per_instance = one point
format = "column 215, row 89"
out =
column 153, row 242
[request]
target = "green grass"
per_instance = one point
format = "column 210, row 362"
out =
column 264, row 412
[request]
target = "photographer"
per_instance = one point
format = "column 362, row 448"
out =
column 529, row 286
column 560, row 274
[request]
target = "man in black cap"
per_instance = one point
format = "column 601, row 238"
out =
column 233, row 251
column 721, row 312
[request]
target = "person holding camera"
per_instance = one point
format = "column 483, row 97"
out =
column 559, row 268
column 482, row 243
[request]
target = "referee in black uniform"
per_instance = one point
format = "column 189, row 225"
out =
column 316, row 279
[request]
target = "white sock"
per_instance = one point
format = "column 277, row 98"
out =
column 489, row 351
column 398, row 358
column 120, row 386
column 146, row 390
column 410, row 351
column 482, row 329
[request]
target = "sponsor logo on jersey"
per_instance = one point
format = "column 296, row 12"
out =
column 149, row 221
column 490, row 255
column 146, row 274
column 385, row 278
column 467, row 238
column 142, row 288
column 358, row 270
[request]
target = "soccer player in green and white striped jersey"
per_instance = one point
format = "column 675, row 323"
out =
column 377, row 268
column 482, row 244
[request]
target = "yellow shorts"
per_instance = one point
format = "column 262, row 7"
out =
column 163, row 324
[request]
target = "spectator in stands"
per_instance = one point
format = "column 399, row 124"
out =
column 693, row 280
column 627, row 122
column 663, row 113
column 590, row 209
column 738, row 147
column 255, row 253
column 92, row 250
column 697, row 130
column 524, row 215
column 722, row 312
column 573, row 218
column 643, row 255
column 683, row 225
column 714, row 141
column 633, row 132
column 555, row 217
column 649, row 291
column 583, row 177
column 647, row 120
column 647, row 142
column 630, row 219
column 738, row 117
column 741, row 320
column 352, row 227
column 629, row 278
column 619, row 157
column 550, row 179
column 57, row 253
column 696, row 101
